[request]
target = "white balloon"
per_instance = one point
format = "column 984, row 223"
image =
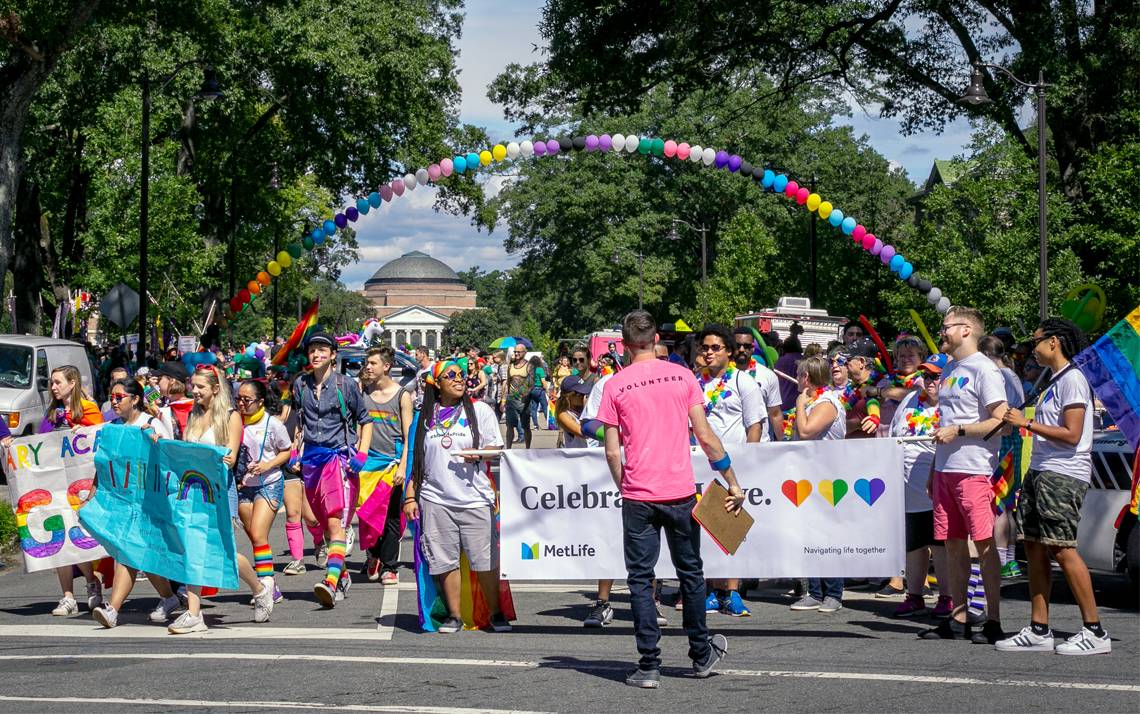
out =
column 410, row 182
column 513, row 149
column 708, row 156
column 695, row 153
column 933, row 296
column 943, row 305
column 422, row 177
column 618, row 142
column 631, row 142
column 526, row 149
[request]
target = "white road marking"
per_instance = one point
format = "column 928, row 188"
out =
column 235, row 632
column 389, row 604
column 259, row 705
column 533, row 664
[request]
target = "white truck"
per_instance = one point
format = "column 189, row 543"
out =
column 819, row 327
column 26, row 364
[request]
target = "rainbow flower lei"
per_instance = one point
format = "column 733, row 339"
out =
column 719, row 390
column 908, row 382
column 920, row 421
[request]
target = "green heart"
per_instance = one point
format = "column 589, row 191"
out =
column 838, row 491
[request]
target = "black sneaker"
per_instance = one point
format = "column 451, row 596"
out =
column 450, row 625
column 719, row 645
column 946, row 630
column 989, row 634
column 601, row 614
column 499, row 623
column 644, row 678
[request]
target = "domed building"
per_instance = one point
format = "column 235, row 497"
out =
column 414, row 295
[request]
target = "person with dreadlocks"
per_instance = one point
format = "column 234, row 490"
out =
column 1050, row 506
column 452, row 495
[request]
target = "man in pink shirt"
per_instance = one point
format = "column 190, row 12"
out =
column 648, row 408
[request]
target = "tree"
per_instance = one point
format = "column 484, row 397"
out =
column 477, row 327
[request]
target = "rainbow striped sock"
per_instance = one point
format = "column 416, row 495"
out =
column 263, row 560
column 335, row 563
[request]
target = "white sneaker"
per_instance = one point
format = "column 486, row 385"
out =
column 1026, row 641
column 263, row 603
column 1085, row 643
column 349, row 540
column 94, row 593
column 187, row 623
column 165, row 608
column 66, row 607
column 343, row 585
column 321, row 554
column 295, row 567
column 106, row 616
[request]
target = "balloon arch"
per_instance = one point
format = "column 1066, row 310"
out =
column 769, row 181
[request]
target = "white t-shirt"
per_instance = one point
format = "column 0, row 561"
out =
column 769, row 385
column 838, row 428
column 594, row 404
column 739, row 406
column 1014, row 394
column 913, row 418
column 143, row 420
column 449, row 480
column 1070, row 389
column 264, row 440
column 969, row 388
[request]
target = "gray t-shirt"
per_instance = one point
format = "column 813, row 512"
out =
column 387, row 429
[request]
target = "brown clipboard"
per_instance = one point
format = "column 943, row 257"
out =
column 728, row 530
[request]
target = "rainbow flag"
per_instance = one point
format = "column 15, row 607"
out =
column 303, row 329
column 378, row 480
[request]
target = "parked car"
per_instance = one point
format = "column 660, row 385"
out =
column 26, row 363
column 1102, row 544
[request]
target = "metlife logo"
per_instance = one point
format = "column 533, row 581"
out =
column 535, row 551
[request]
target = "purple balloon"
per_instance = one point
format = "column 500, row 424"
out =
column 552, row 146
column 721, row 159
column 605, row 143
column 351, row 213
column 539, row 147
column 591, row 142
column 734, row 162
column 887, row 253
column 878, row 246
column 340, row 220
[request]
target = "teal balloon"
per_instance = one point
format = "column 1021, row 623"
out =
column 320, row 239
column 309, row 243
column 906, row 270
column 657, row 147
column 644, row 144
column 836, row 218
column 848, row 225
column 363, row 206
column 318, row 231
column 294, row 250
column 897, row 263
column 459, row 164
column 779, row 183
column 330, row 228
column 473, row 161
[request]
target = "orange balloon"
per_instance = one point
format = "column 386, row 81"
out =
column 263, row 278
column 254, row 287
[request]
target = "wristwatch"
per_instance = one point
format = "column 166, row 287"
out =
column 961, row 430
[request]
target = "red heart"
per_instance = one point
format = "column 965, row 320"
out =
column 789, row 490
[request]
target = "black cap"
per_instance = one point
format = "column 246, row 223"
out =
column 862, row 347
column 320, row 338
column 574, row 383
column 174, row 370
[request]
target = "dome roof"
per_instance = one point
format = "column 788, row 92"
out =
column 414, row 267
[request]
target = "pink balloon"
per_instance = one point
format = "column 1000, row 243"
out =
column 398, row 187
column 670, row 148
column 683, row 150
column 791, row 189
column 433, row 172
column 802, row 195
column 386, row 192
column 876, row 246
column 446, row 167
column 858, row 233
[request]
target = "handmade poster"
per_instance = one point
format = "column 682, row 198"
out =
column 49, row 477
column 821, row 509
column 162, row 507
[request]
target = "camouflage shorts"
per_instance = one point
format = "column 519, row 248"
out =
column 1049, row 508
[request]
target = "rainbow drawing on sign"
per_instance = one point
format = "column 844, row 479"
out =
column 52, row 524
column 194, row 478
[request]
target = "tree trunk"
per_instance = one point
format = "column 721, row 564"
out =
column 30, row 272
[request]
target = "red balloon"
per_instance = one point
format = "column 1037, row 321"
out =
column 235, row 305
column 243, row 296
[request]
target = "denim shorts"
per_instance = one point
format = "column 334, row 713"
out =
column 271, row 492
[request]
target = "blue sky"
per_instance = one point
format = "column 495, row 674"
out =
column 496, row 33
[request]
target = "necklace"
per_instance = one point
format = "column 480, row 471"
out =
column 443, row 420
column 790, row 415
column 719, row 390
column 906, row 382
column 922, row 420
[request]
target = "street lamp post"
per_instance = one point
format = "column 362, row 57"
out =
column 209, row 90
column 703, row 230
column 976, row 96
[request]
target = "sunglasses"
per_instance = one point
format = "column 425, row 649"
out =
column 1038, row 340
column 946, row 328
column 247, row 400
column 578, row 359
column 452, row 375
column 744, row 346
column 116, row 398
column 710, row 348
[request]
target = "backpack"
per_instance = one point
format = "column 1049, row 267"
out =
column 338, row 381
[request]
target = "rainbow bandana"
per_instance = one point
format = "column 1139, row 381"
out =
column 439, row 368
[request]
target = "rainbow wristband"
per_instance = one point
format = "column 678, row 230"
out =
column 721, row 464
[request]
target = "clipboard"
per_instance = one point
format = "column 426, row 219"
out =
column 727, row 530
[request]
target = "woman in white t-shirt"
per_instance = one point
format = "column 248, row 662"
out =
column 453, row 494
column 1050, row 506
column 131, row 408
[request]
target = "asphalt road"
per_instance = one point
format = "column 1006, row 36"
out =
column 368, row 655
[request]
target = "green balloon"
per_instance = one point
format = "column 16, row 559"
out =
column 643, row 145
column 294, row 250
column 658, row 147
column 308, row 242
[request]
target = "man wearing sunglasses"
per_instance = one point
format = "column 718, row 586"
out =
column 743, row 354
column 972, row 402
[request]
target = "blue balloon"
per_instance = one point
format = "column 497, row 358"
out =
column 473, row 161
column 319, row 238
column 373, row 200
column 460, row 164
column 848, row 225
column 769, row 178
column 318, row 234
column 897, row 263
column 906, row 270
column 780, row 183
column 362, row 206
column 835, row 217
column 330, row 228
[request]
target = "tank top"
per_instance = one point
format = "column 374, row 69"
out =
column 386, row 428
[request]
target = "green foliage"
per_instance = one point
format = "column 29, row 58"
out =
column 478, row 327
column 8, row 530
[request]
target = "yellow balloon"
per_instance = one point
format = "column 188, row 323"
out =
column 813, row 202
column 825, row 209
column 485, row 157
column 284, row 259
column 499, row 152
column 274, row 268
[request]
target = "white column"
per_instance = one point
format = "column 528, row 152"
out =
column 393, row 333
column 423, row 337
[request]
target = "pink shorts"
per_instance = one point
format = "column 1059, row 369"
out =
column 963, row 506
column 334, row 494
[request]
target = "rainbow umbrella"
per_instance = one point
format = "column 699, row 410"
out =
column 503, row 343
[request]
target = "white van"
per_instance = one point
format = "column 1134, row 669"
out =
column 26, row 362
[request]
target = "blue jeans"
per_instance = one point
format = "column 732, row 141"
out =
column 819, row 588
column 518, row 424
column 537, row 399
column 642, row 522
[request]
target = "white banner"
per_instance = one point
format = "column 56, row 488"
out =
column 187, row 344
column 49, row 477
column 822, row 509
